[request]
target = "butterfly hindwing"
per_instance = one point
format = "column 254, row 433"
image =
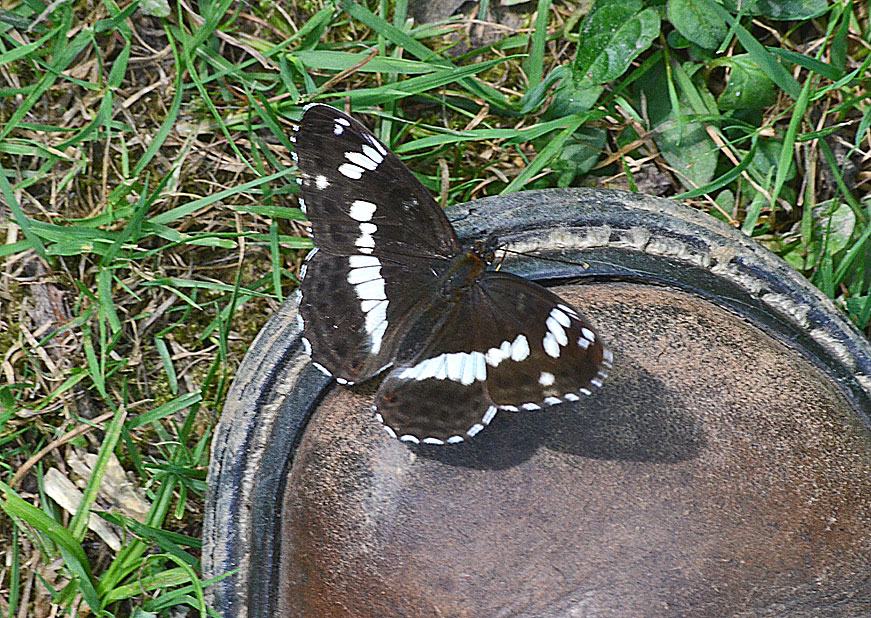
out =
column 506, row 344
column 559, row 357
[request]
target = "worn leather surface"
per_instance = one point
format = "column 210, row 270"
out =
column 716, row 473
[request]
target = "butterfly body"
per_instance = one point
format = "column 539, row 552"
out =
column 389, row 287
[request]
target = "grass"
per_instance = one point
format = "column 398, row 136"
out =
column 151, row 225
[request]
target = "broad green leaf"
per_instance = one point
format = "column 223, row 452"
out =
column 569, row 98
column 779, row 9
column 579, row 154
column 686, row 145
column 691, row 151
column 155, row 8
column 614, row 33
column 748, row 86
column 832, row 227
column 766, row 157
column 695, row 20
column 839, row 228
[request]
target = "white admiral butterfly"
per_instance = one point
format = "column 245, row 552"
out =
column 389, row 287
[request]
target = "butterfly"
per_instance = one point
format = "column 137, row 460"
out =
column 389, row 289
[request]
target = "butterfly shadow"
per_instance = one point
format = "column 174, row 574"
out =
column 635, row 416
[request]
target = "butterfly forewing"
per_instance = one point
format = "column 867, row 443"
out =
column 351, row 315
column 379, row 235
column 358, row 195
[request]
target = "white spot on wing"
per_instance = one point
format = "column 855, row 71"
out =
column 364, row 275
column 546, row 378
column 588, row 334
column 550, row 345
column 455, row 367
column 351, row 171
column 469, row 370
column 475, row 429
column 568, row 310
column 375, row 143
column 377, row 336
column 360, row 261
column 410, row 438
column 376, row 317
column 321, row 182
column 361, row 160
column 494, row 356
column 571, row 397
column 462, row 367
column 372, row 154
column 488, row 416
column 362, row 210
column 519, row 348
column 556, row 329
column 560, row 317
column 366, row 241
column 322, row 369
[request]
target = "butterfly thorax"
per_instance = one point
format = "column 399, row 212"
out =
column 465, row 270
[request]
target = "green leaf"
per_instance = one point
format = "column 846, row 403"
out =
column 534, row 63
column 569, row 98
column 765, row 160
column 614, row 33
column 155, row 8
column 170, row 407
column 579, row 154
column 417, row 85
column 811, row 64
column 832, row 226
column 840, row 225
column 697, row 23
column 778, row 74
column 748, row 86
column 781, row 9
column 684, row 141
column 691, row 152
